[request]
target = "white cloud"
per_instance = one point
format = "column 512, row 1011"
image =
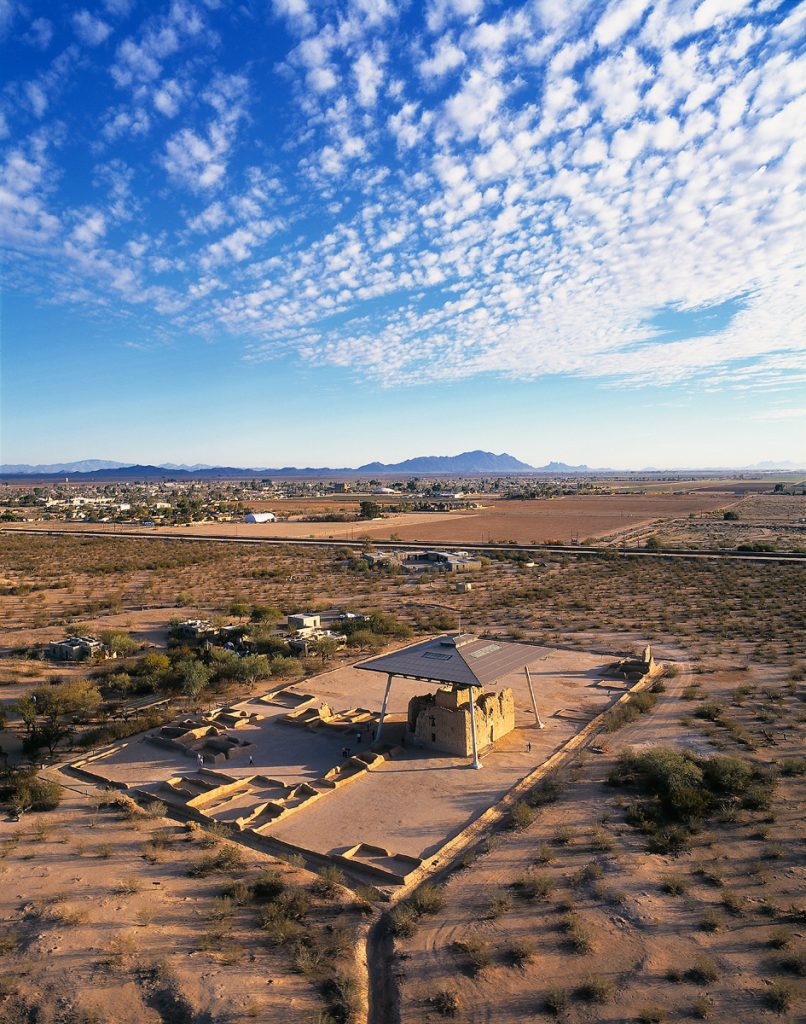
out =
column 476, row 102
column 297, row 12
column 783, row 414
column 39, row 34
column 90, row 30
column 447, row 57
column 168, row 97
column 368, row 76
column 619, row 17
column 518, row 191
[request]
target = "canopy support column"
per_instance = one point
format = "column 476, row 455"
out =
column 383, row 708
column 532, row 695
column 476, row 762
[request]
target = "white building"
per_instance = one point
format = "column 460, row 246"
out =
column 304, row 621
column 260, row 517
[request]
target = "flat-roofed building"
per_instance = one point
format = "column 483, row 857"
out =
column 74, row 648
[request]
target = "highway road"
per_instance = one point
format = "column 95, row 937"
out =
column 577, row 550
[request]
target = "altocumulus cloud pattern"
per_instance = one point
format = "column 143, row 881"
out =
column 420, row 191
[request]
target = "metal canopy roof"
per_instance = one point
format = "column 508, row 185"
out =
column 457, row 660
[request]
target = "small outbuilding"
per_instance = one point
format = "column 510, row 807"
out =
column 260, row 517
column 302, row 620
column 74, row 648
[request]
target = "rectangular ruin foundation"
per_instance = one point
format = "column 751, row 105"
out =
column 297, row 768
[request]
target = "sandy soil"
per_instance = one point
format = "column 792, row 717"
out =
column 639, row 933
column 85, row 946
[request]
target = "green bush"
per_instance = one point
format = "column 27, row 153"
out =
column 522, row 815
column 556, row 1001
column 476, row 950
column 446, row 1002
column 779, row 997
column 428, row 899
column 330, row 880
column 534, row 886
column 402, row 921
column 268, row 886
column 31, row 793
column 595, row 989
column 228, row 858
column 674, row 884
column 519, row 952
column 703, row 971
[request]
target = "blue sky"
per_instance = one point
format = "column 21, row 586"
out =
column 322, row 233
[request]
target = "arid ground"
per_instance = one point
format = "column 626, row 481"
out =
column 591, row 903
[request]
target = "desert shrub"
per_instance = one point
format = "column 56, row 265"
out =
column 500, row 903
column 522, row 815
column 674, row 884
column 342, row 993
column 228, row 858
column 701, row 1008
column 544, row 854
column 446, row 1002
column 793, row 766
column 428, row 899
column 729, row 775
column 476, row 950
column 329, row 881
column 548, row 790
column 29, row 792
column 794, row 962
column 589, row 872
column 732, row 902
column 125, row 805
column 683, row 790
column 710, row 712
column 628, row 712
column 155, row 809
column 9, row 942
column 652, row 1015
column 534, row 886
column 703, row 971
column 601, row 840
column 519, row 952
column 781, row 938
column 402, row 921
column 578, row 935
column 710, row 921
column 280, row 931
column 595, row 989
column 129, row 885
column 758, row 797
column 292, row 904
column 779, row 997
column 267, row 886
column 212, row 834
column 563, row 835
column 556, row 1001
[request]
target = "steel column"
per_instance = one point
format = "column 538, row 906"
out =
column 383, row 708
column 532, row 695
column 476, row 762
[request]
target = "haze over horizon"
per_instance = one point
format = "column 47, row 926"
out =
column 323, row 234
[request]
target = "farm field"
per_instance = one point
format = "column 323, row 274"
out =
column 563, row 519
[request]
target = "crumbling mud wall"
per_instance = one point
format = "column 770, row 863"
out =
column 441, row 721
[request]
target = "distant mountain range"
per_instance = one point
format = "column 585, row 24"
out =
column 464, row 464
column 453, row 465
